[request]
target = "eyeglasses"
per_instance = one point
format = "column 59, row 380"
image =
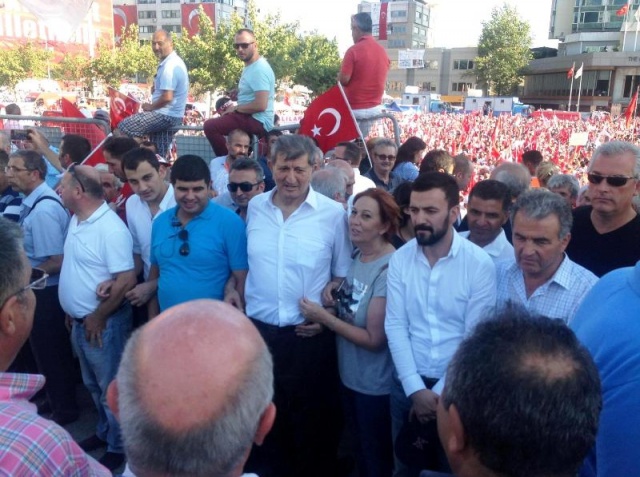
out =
column 389, row 158
column 72, row 170
column 244, row 46
column 184, row 248
column 243, row 186
column 14, row 169
column 613, row 181
column 37, row 281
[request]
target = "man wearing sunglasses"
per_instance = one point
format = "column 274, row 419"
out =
column 256, row 93
column 606, row 235
column 246, row 180
column 383, row 158
column 44, row 221
column 31, row 445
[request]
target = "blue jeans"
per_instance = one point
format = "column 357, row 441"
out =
column 400, row 407
column 99, row 367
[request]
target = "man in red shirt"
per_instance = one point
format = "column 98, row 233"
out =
column 364, row 69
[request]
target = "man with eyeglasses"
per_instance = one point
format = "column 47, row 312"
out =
column 10, row 199
column 197, row 246
column 246, row 180
column 238, row 145
column 606, row 235
column 31, row 445
column 383, row 158
column 254, row 111
column 44, row 221
column 98, row 248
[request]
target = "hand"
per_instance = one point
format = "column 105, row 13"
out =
column 103, row 290
column 312, row 311
column 140, row 294
column 147, row 107
column 39, row 142
column 68, row 322
column 93, row 328
column 327, row 296
column 307, row 330
column 230, row 109
column 233, row 298
column 424, row 405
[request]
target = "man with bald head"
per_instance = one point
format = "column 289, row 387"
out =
column 194, row 402
column 98, row 248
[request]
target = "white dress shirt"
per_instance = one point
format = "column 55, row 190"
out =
column 361, row 183
column 430, row 310
column 219, row 174
column 559, row 297
column 139, row 220
column 293, row 258
column 499, row 250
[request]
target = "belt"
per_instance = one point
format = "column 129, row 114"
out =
column 273, row 329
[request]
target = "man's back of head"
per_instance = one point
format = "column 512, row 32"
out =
column 437, row 160
column 515, row 176
column 532, row 159
column 522, row 398
column 351, row 153
column 193, row 402
column 78, row 147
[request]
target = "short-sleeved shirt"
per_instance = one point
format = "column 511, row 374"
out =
column 96, row 249
column 258, row 76
column 367, row 64
column 364, row 371
column 10, row 204
column 172, row 76
column 219, row 174
column 217, row 246
column 45, row 227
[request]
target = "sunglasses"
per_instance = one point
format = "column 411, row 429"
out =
column 72, row 170
column 613, row 181
column 243, row 186
column 389, row 158
column 244, row 46
column 184, row 248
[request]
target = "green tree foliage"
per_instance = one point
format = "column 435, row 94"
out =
column 503, row 50
column 26, row 60
column 318, row 62
column 73, row 68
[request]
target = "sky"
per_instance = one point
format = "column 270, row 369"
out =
column 455, row 23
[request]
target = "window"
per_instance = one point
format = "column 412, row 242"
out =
column 172, row 28
column 169, row 1
column 463, row 65
column 396, row 44
column 146, row 29
column 398, row 13
column 590, row 17
column 171, row 14
column 146, row 2
column 461, row 86
column 146, row 14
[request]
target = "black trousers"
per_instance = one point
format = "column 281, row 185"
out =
column 51, row 347
column 305, row 437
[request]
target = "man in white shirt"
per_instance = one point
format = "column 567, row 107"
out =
column 439, row 286
column 153, row 195
column 98, row 248
column 487, row 212
column 543, row 279
column 238, row 144
column 350, row 152
column 297, row 243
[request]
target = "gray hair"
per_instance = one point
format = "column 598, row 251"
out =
column 515, row 176
column 11, row 261
column 330, row 182
column 293, row 146
column 617, row 148
column 215, row 447
column 246, row 164
column 32, row 161
column 565, row 180
column 385, row 142
column 538, row 204
column 102, row 167
column 363, row 21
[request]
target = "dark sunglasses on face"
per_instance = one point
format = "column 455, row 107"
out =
column 244, row 46
column 184, row 248
column 613, row 181
column 243, row 186
column 389, row 158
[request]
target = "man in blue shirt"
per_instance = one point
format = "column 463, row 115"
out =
column 197, row 246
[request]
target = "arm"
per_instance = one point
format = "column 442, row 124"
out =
column 153, row 307
column 234, row 289
column 94, row 323
column 344, row 78
column 165, row 98
column 137, row 261
column 41, row 146
column 346, row 69
column 258, row 105
column 52, row 265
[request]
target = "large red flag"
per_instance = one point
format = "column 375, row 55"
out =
column 96, row 156
column 571, row 71
column 92, row 132
column 631, row 109
column 120, row 107
column 123, row 16
column 623, row 10
column 329, row 120
column 382, row 23
column 191, row 16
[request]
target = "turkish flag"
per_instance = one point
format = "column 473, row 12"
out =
column 96, row 157
column 123, row 16
column 329, row 120
column 382, row 28
column 571, row 71
column 191, row 16
column 120, row 107
column 623, row 11
column 630, row 113
column 93, row 133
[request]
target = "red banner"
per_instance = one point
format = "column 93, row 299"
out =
column 382, row 32
column 328, row 120
column 191, row 16
column 120, row 107
column 123, row 16
column 93, row 133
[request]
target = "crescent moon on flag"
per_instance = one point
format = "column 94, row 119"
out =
column 193, row 13
column 121, row 14
column 333, row 112
column 118, row 105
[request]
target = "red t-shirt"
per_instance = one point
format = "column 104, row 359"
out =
column 367, row 64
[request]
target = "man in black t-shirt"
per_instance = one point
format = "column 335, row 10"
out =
column 606, row 235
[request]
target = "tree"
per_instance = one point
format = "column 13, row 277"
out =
column 73, row 68
column 318, row 62
column 503, row 50
column 26, row 60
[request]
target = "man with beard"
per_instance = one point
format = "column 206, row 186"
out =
column 238, row 145
column 439, row 286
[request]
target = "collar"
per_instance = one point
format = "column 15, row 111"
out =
column 562, row 275
column 35, row 194
column 97, row 214
column 493, row 248
column 19, row 386
column 167, row 199
column 456, row 244
column 169, row 56
column 311, row 199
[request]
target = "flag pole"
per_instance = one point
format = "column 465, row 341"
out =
column 355, row 121
column 580, row 89
column 635, row 16
column 624, row 25
column 573, row 69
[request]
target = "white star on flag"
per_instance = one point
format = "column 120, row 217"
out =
column 316, row 130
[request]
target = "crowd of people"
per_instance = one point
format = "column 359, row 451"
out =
column 306, row 315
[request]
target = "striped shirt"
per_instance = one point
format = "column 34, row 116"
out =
column 10, row 204
column 32, row 445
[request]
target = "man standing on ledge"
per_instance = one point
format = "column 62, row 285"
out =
column 256, row 92
column 364, row 69
column 168, row 97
